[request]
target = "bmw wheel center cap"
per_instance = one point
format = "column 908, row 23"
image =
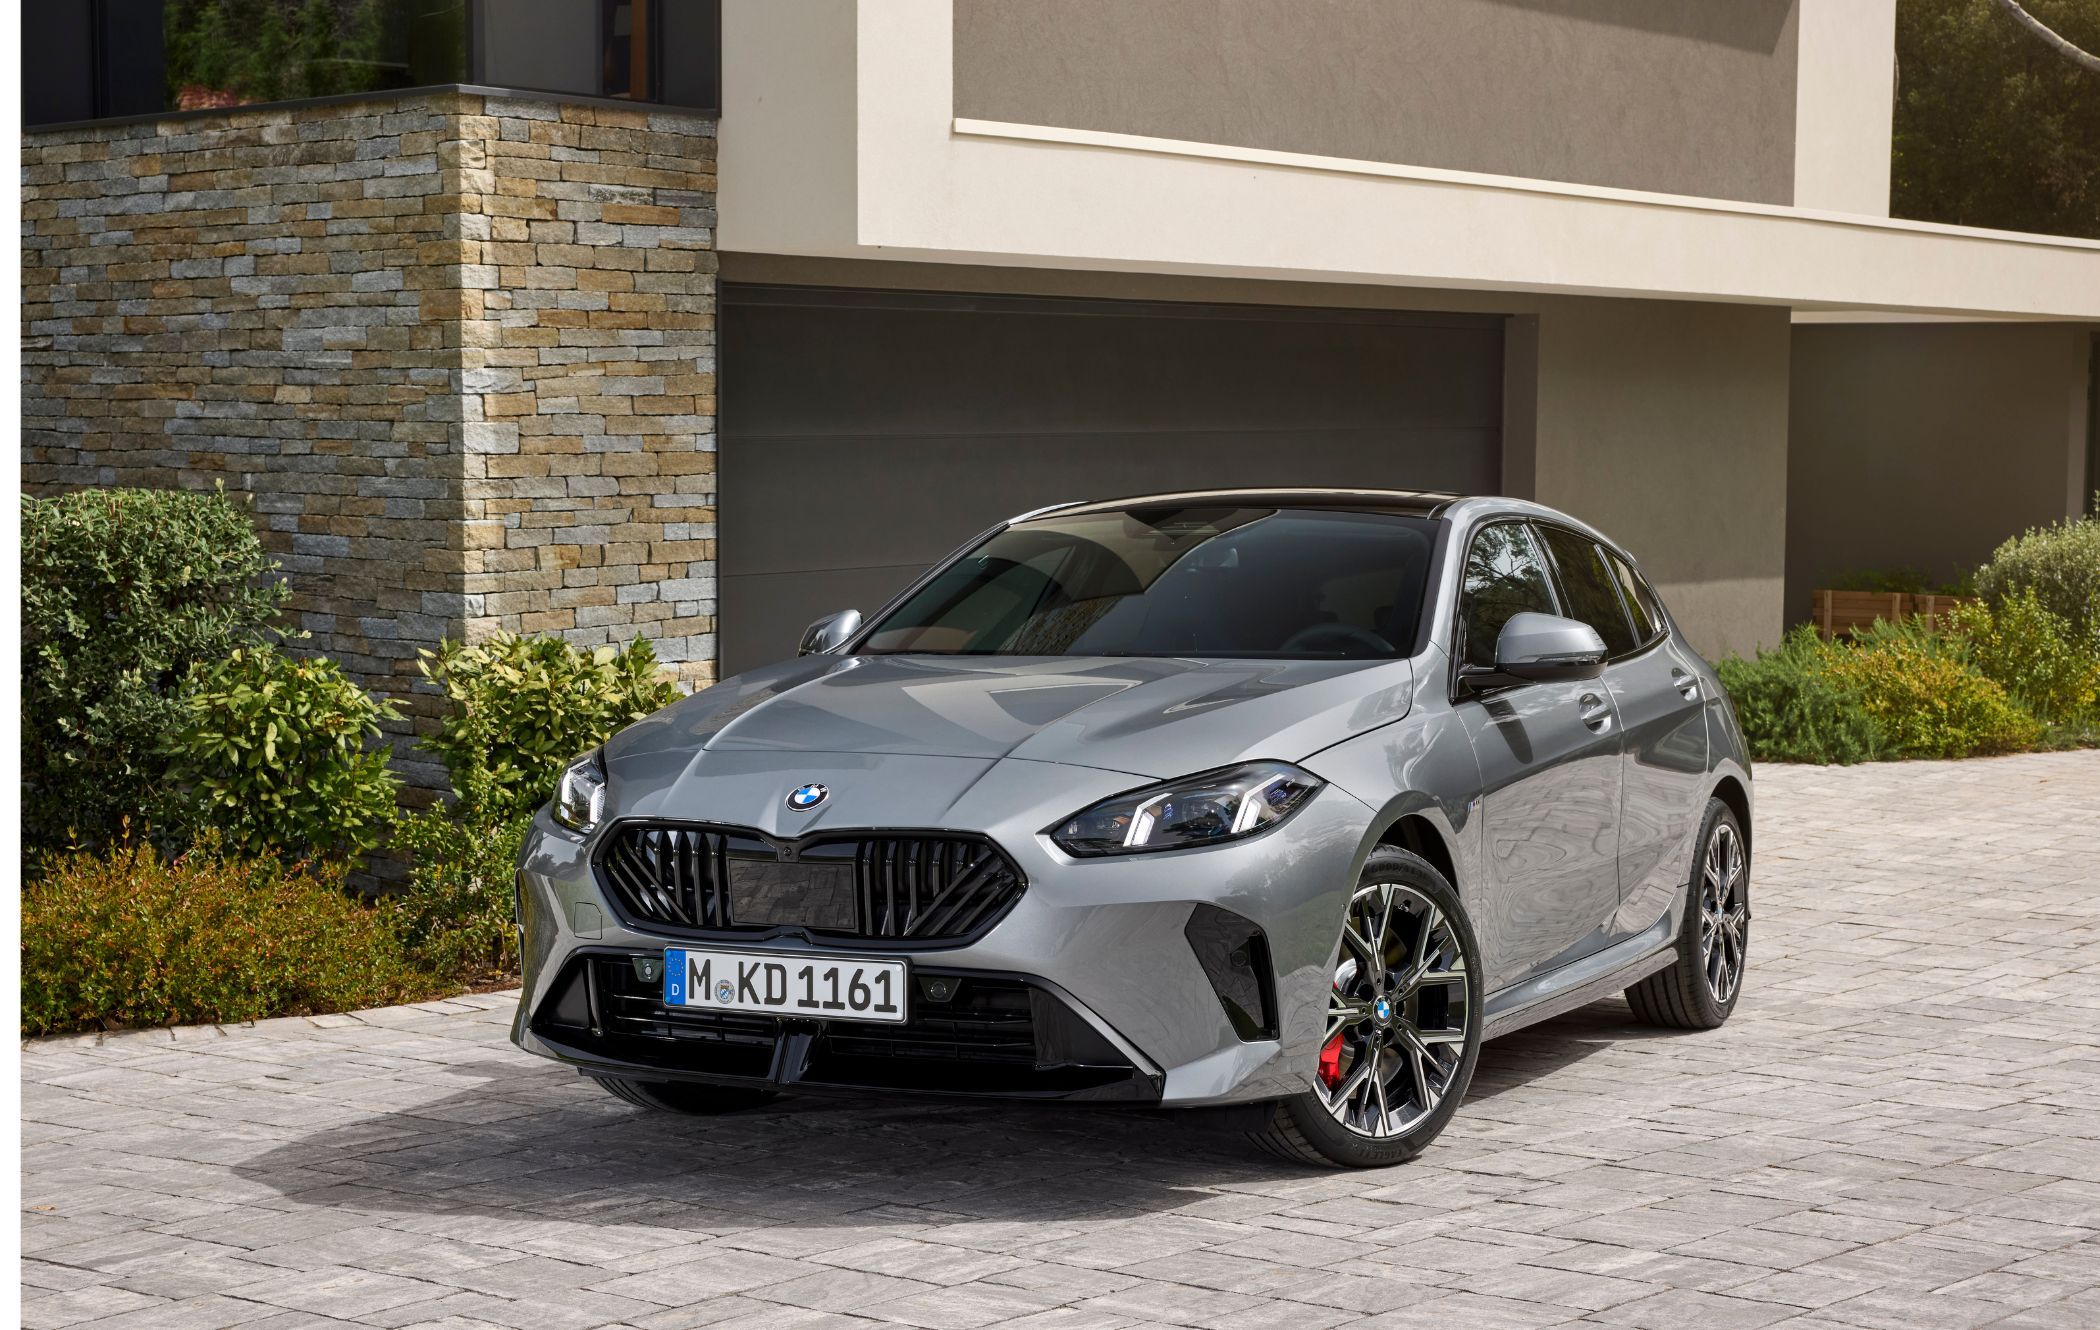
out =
column 807, row 797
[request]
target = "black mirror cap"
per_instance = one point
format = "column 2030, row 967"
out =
column 829, row 633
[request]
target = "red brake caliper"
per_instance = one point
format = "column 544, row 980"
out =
column 1331, row 1062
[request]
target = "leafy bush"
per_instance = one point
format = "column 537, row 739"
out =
column 129, row 938
column 1793, row 709
column 521, row 707
column 270, row 749
column 2033, row 654
column 2060, row 564
column 122, row 592
column 458, row 915
column 1929, row 702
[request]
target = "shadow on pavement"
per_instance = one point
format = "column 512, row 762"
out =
column 532, row 1137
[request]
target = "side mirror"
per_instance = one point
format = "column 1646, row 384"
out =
column 831, row 632
column 1539, row 648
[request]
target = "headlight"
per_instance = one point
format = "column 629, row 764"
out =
column 1203, row 809
column 579, row 801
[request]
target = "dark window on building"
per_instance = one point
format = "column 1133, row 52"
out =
column 1505, row 576
column 1587, row 585
column 91, row 59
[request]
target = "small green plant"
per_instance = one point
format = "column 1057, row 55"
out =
column 127, row 937
column 458, row 915
column 521, row 707
column 2033, row 654
column 2060, row 564
column 1928, row 701
column 270, row 749
column 1793, row 709
column 123, row 590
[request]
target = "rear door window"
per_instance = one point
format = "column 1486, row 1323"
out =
column 1588, row 585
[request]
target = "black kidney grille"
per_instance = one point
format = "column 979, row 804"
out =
column 918, row 887
column 931, row 887
column 668, row 875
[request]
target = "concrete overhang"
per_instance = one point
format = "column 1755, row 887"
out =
column 838, row 139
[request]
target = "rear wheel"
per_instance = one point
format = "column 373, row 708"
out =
column 1403, row 1025
column 1699, row 990
column 685, row 1096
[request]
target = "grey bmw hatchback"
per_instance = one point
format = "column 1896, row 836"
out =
column 1282, row 799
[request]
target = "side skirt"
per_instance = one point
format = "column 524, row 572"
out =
column 1619, row 966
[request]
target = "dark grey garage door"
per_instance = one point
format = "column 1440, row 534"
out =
column 865, row 433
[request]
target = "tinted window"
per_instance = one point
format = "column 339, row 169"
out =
column 1505, row 575
column 1588, row 585
column 1177, row 582
column 1640, row 599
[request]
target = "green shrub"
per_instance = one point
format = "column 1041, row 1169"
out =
column 2033, row 654
column 521, row 707
column 126, row 937
column 270, row 750
column 1929, row 702
column 1792, row 709
column 2060, row 564
column 122, row 592
column 458, row 915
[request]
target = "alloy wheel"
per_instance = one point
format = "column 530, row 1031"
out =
column 1398, row 1013
column 1724, row 911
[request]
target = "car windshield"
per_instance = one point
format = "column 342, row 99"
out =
column 1235, row 582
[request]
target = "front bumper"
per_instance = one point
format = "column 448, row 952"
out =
column 1113, row 960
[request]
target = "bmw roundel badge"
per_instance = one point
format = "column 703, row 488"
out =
column 807, row 797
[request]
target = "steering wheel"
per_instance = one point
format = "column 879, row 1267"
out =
column 1348, row 633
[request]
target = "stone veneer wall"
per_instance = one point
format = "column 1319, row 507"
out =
column 458, row 349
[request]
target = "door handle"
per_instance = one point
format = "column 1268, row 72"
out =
column 1595, row 711
column 1687, row 684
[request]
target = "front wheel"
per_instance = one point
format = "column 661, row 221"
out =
column 1403, row 1025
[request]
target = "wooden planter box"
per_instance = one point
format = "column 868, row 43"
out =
column 1842, row 612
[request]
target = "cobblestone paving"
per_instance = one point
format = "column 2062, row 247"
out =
column 1900, row 1128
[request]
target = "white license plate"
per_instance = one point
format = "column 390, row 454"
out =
column 832, row 988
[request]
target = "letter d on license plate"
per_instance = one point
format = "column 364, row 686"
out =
column 831, row 988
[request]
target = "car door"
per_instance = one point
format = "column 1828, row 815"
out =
column 1659, row 690
column 1550, row 771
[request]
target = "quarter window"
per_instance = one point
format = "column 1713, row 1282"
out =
column 1640, row 600
column 1505, row 575
column 1587, row 584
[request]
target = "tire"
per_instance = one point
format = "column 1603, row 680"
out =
column 1689, row 995
column 688, row 1097
column 1428, row 1033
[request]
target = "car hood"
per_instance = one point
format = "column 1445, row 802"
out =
column 1146, row 717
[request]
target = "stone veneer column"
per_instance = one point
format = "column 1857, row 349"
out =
column 588, row 285
column 458, row 351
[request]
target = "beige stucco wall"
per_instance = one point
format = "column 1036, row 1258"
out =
column 1645, row 94
column 1925, row 445
column 1845, row 99
column 1665, row 425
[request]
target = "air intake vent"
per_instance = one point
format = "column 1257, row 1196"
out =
column 906, row 887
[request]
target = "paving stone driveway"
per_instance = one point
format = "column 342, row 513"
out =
column 1900, row 1128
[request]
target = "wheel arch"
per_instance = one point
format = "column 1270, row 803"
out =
column 1731, row 791
column 1420, row 835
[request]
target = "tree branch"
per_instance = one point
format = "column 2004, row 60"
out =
column 2084, row 59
